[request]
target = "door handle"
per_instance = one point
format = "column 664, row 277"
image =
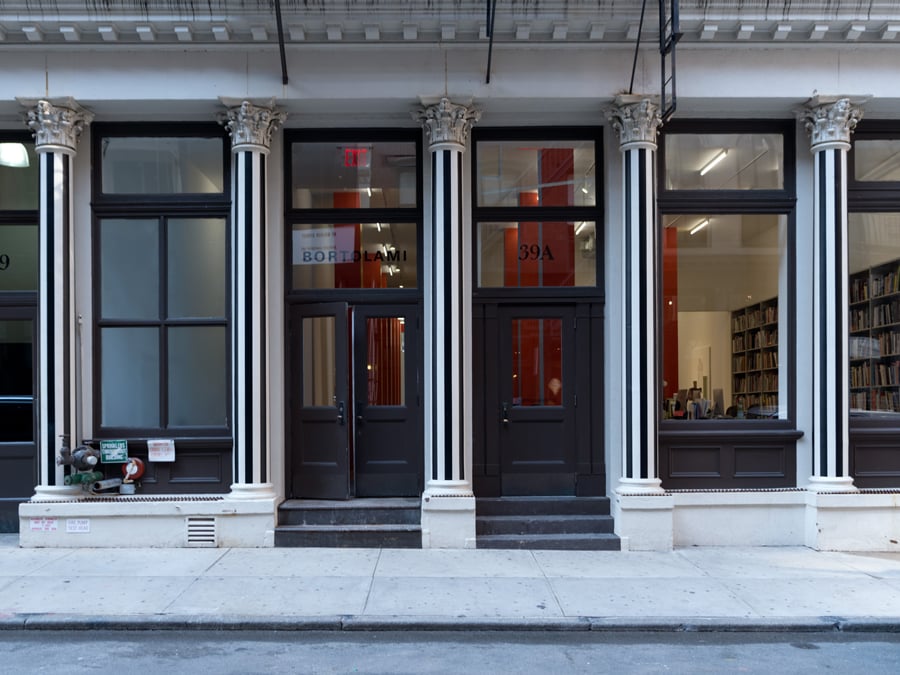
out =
column 340, row 415
column 504, row 412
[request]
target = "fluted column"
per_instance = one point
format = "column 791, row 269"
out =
column 251, row 128
column 636, row 121
column 56, row 131
column 447, row 330
column 830, row 121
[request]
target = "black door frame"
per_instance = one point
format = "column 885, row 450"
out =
column 20, row 307
column 335, row 474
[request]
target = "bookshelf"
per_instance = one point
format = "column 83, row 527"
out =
column 874, row 344
column 754, row 355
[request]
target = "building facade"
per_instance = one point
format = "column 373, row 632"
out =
column 253, row 256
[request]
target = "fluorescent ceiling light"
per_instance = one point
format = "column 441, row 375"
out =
column 712, row 163
column 14, row 155
column 699, row 226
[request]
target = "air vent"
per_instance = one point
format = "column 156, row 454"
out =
column 201, row 531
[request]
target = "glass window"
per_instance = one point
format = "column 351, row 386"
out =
column 537, row 362
column 198, row 382
column 536, row 173
column 724, row 309
column 876, row 160
column 129, row 283
column 874, row 312
column 159, row 165
column 364, row 255
column 16, row 381
column 19, row 183
column 353, row 175
column 18, row 257
column 385, row 365
column 748, row 161
column 197, row 267
column 319, row 364
column 539, row 254
column 129, row 377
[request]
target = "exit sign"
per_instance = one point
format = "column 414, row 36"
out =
column 356, row 157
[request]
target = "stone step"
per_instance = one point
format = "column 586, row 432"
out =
column 558, row 542
column 349, row 536
column 559, row 524
column 396, row 511
column 539, row 506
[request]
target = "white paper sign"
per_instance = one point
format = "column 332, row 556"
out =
column 161, row 450
column 78, row 525
column 44, row 524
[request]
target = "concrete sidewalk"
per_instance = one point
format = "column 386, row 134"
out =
column 759, row 589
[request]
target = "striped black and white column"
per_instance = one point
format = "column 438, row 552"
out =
column 447, row 522
column 251, row 128
column 56, row 132
column 830, row 122
column 636, row 121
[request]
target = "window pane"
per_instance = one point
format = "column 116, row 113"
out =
column 367, row 255
column 319, row 367
column 158, row 165
column 518, row 255
column 129, row 263
column 537, row 362
column 129, row 377
column 354, row 175
column 385, row 364
column 877, row 160
column 16, row 381
column 18, row 257
column 196, row 254
column 874, row 340
column 724, row 161
column 541, row 173
column 19, row 181
column 198, row 383
column 723, row 356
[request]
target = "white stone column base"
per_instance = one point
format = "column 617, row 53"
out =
column 252, row 491
column 448, row 515
column 853, row 521
column 826, row 484
column 55, row 493
column 648, row 486
column 644, row 522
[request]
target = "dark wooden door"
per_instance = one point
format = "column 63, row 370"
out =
column 321, row 408
column 535, row 398
column 356, row 416
column 18, row 424
column 387, row 406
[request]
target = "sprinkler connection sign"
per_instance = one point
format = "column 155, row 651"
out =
column 114, row 452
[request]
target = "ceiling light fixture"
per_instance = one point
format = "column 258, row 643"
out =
column 712, row 163
column 14, row 155
column 699, row 226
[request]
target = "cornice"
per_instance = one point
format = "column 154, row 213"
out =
column 184, row 23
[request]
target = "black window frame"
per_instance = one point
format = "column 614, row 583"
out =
column 161, row 207
column 726, row 436
column 516, row 214
column 20, row 217
column 313, row 216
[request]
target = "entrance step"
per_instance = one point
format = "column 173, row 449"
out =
column 560, row 523
column 352, row 523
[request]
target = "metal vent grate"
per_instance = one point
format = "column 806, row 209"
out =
column 201, row 531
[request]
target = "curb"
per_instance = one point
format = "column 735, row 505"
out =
column 358, row 623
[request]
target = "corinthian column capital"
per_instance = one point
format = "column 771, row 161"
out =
column 57, row 128
column 447, row 124
column 636, row 121
column 251, row 126
column 830, row 121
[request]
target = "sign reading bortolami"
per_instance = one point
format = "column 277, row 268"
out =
column 114, row 451
column 331, row 246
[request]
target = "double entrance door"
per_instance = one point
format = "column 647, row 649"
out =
column 537, row 381
column 355, row 427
